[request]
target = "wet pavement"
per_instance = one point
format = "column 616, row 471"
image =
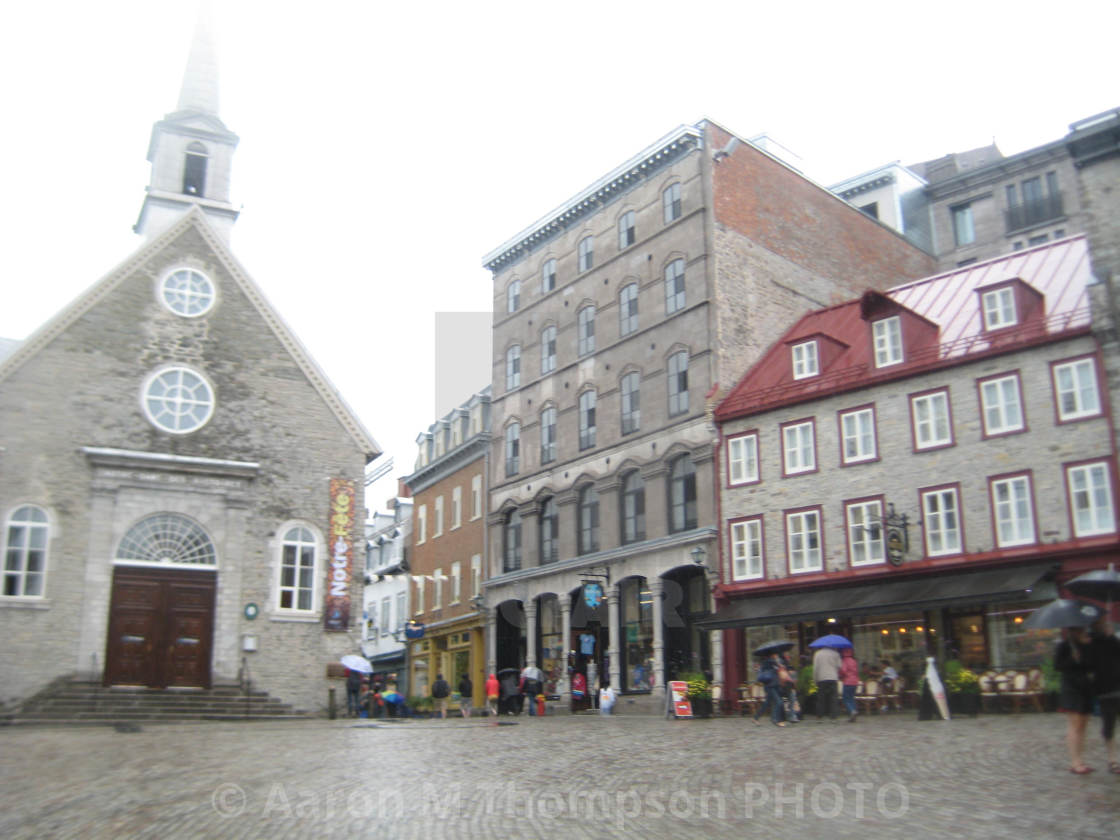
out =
column 889, row 776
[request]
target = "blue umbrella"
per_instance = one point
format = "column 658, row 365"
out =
column 832, row 640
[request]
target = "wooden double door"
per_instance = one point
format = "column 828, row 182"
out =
column 161, row 627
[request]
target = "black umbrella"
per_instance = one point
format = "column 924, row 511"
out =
column 772, row 647
column 1063, row 612
column 1100, row 585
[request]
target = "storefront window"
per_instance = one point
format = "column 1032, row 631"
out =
column 552, row 654
column 967, row 644
column 900, row 639
column 1012, row 645
column 418, row 685
column 637, row 634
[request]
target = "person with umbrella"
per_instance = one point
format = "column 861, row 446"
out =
column 356, row 666
column 826, row 672
column 1104, row 585
column 769, row 674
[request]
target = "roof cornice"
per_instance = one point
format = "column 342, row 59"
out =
column 448, row 463
column 669, row 148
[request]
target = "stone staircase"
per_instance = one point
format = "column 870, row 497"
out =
column 77, row 702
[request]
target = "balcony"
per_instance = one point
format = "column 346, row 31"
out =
column 1035, row 212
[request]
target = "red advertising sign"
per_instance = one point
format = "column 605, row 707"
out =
column 678, row 690
column 340, row 543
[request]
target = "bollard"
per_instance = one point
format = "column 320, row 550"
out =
column 540, row 705
column 331, row 712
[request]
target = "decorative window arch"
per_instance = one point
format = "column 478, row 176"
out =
column 513, row 295
column 194, row 169
column 167, row 539
column 588, row 519
column 633, row 508
column 548, row 275
column 671, row 202
column 628, row 309
column 511, row 543
column 26, row 535
column 549, row 531
column 682, row 494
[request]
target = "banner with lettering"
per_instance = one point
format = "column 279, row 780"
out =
column 340, row 543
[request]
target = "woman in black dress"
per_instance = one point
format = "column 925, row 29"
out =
column 1073, row 660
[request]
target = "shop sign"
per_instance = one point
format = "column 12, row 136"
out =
column 340, row 530
column 414, row 630
column 678, row 695
column 592, row 595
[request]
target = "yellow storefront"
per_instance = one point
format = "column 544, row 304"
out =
column 454, row 649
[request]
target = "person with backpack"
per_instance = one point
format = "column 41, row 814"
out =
column 440, row 692
column 466, row 696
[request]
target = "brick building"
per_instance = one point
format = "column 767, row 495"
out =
column 182, row 487
column 916, row 469
column 618, row 318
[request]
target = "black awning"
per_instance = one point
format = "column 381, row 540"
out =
column 915, row 593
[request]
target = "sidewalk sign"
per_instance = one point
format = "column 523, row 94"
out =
column 678, row 694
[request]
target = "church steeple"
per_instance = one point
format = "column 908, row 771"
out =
column 191, row 150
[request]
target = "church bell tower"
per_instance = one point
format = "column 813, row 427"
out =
column 191, row 150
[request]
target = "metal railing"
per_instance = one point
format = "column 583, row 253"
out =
column 1034, row 212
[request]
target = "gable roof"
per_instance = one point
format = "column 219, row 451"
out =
column 944, row 305
column 107, row 284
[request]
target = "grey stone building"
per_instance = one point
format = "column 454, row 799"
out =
column 182, row 491
column 620, row 317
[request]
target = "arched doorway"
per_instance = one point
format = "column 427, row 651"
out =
column 161, row 616
column 687, row 600
column 509, row 635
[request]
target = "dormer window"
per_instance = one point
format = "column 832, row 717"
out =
column 887, row 334
column 999, row 308
column 194, row 170
column 805, row 360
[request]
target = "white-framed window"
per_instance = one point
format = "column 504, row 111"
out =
column 548, row 276
column 930, row 416
column 942, row 524
column 513, row 296
column 513, row 367
column 476, row 419
column 299, row 552
column 742, row 459
column 177, row 399
column 548, row 349
column 674, row 287
column 437, row 589
column 585, row 323
column 26, row 535
column 437, row 525
column 456, row 431
column 187, row 292
column 999, row 308
column 678, row 383
column 887, row 335
column 513, row 448
column 440, row 438
column 1090, row 499
column 1013, row 511
column 476, row 496
column 476, row 575
column 511, row 558
column 628, row 309
column 402, row 609
column 964, row 231
column 456, row 507
column 866, row 545
column 798, row 448
column 857, row 436
column 586, row 253
column 587, row 425
column 1001, row 405
column 456, row 582
column 630, row 389
column 746, row 549
column 671, row 202
column 627, row 234
column 803, row 540
column 386, row 616
column 548, row 435
column 805, row 363
column 419, row 580
column 421, row 524
column 1075, row 389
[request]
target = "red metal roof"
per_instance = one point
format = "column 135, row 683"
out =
column 945, row 305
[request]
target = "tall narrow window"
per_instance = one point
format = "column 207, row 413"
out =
column 437, row 589
column 476, row 496
column 421, row 524
column 633, row 508
column 476, row 575
column 586, row 253
column 513, row 296
column 548, row 350
column 805, row 360
column 999, row 308
column 297, row 570
column 626, row 230
column 585, row 323
column 803, row 541
column 799, row 448
column 548, row 435
column 513, row 449
column 671, row 202
column 1090, row 499
column 964, row 231
column 511, row 560
column 1001, row 406
column 888, row 341
column 437, row 526
column 588, row 520
column 857, row 433
column 548, row 276
column 456, row 582
column 742, row 459
column 930, row 415
column 631, row 402
column 456, row 507
column 194, row 170
column 1075, row 386
column 942, row 522
column 513, row 367
column 387, row 615
column 674, row 287
column 865, row 533
column 628, row 309
column 25, row 553
column 678, row 383
column 549, row 531
column 746, row 549
column 587, row 402
column 1013, row 511
column 682, row 495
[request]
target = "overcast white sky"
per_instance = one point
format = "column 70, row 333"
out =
column 385, row 147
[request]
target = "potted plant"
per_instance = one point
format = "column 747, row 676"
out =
column 806, row 690
column 963, row 688
column 699, row 694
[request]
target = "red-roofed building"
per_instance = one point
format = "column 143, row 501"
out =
column 916, row 468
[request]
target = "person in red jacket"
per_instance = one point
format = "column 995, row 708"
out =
column 493, row 689
column 849, row 679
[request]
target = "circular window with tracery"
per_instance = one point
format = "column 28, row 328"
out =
column 167, row 539
column 178, row 400
column 187, row 292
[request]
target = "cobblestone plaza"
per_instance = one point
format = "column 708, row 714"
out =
column 890, row 776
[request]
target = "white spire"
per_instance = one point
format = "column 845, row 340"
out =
column 200, row 81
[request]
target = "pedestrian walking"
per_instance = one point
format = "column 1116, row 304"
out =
column 1075, row 696
column 466, row 695
column 826, row 673
column 440, row 692
column 768, row 676
column 353, row 692
column 1105, row 653
column 493, row 690
column 849, row 677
